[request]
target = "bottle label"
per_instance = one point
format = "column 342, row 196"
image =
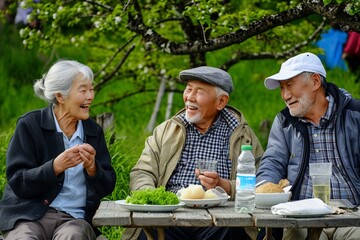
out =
column 245, row 181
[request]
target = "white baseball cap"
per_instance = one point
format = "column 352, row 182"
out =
column 304, row 62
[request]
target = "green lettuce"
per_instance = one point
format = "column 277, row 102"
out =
column 155, row 196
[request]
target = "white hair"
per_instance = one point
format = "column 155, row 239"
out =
column 220, row 92
column 59, row 79
column 307, row 75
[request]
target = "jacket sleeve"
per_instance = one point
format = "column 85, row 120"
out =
column 145, row 173
column 273, row 165
column 159, row 157
column 103, row 183
column 29, row 162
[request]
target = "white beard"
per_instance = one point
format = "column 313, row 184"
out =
column 304, row 106
column 193, row 119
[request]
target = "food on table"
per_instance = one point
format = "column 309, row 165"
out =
column 193, row 192
column 284, row 183
column 209, row 194
column 197, row 192
column 153, row 196
column 270, row 187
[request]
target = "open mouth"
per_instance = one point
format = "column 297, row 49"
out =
column 191, row 107
column 84, row 106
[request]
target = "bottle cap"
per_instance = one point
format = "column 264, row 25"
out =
column 246, row 147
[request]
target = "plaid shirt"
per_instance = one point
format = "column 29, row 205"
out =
column 213, row 144
column 323, row 149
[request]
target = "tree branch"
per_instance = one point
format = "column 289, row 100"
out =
column 137, row 25
column 239, row 55
column 335, row 13
column 116, row 69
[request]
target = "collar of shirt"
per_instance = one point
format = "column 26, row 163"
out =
column 79, row 133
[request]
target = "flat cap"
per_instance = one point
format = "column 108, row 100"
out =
column 212, row 75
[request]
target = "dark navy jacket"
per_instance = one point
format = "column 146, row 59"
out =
column 31, row 182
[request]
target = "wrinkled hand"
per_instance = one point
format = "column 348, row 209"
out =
column 87, row 153
column 208, row 179
column 212, row 179
column 71, row 157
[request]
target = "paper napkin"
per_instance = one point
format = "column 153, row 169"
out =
column 302, row 207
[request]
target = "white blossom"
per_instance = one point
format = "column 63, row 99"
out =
column 29, row 18
column 22, row 32
column 54, row 16
column 97, row 24
column 73, row 39
column 117, row 19
column 149, row 32
column 24, row 42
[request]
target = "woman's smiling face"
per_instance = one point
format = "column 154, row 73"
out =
column 81, row 95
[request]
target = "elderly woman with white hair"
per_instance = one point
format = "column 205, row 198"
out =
column 58, row 167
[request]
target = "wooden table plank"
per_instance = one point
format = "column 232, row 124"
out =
column 264, row 218
column 226, row 216
column 111, row 214
column 191, row 217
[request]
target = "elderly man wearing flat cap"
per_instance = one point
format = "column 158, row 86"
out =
column 319, row 124
column 205, row 129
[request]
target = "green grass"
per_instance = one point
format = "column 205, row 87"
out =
column 19, row 68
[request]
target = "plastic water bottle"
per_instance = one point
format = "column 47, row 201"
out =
column 245, row 181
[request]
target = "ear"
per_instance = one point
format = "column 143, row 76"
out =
column 59, row 98
column 316, row 81
column 222, row 101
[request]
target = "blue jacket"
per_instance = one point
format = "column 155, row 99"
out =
column 288, row 150
column 31, row 182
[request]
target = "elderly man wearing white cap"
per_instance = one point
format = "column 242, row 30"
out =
column 319, row 124
column 205, row 129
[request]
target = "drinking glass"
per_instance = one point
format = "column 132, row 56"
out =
column 209, row 165
column 320, row 174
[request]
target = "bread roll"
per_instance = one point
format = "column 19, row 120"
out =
column 270, row 187
column 210, row 194
column 193, row 192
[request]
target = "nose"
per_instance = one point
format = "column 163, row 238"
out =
column 189, row 96
column 285, row 94
column 90, row 95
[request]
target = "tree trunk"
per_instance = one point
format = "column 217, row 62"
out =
column 160, row 95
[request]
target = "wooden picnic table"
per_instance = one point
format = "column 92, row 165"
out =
column 112, row 214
